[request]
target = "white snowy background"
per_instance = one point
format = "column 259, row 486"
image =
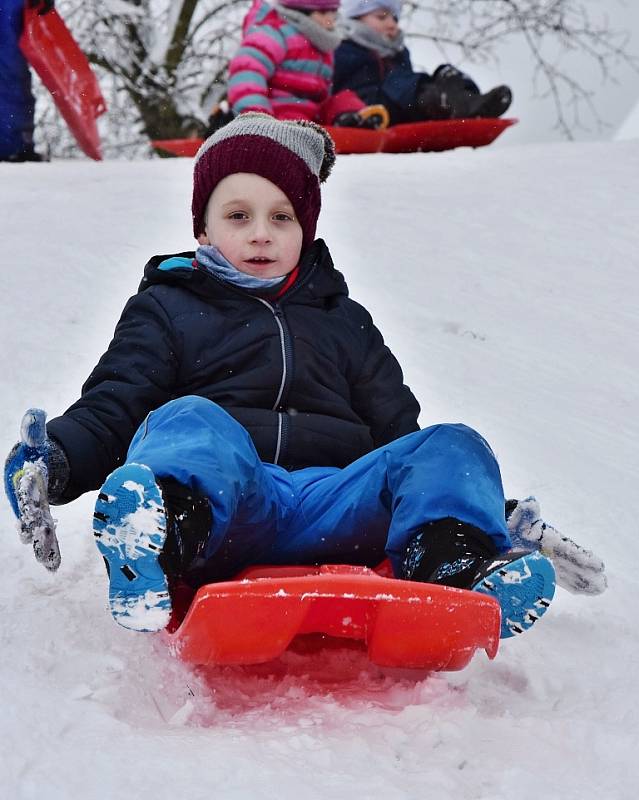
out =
column 613, row 91
column 629, row 128
column 505, row 280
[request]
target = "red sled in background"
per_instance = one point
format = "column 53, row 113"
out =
column 54, row 54
column 421, row 137
column 414, row 137
column 265, row 610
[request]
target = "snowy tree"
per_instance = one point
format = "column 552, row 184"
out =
column 552, row 31
column 162, row 63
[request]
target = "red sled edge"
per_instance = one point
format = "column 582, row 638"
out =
column 256, row 617
column 182, row 148
column 50, row 48
column 440, row 135
column 347, row 140
column 417, row 137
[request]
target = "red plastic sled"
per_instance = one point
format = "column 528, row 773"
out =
column 421, row 137
column 53, row 53
column 410, row 138
column 254, row 618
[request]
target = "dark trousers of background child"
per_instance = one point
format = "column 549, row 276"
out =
column 451, row 94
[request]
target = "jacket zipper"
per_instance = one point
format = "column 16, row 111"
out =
column 287, row 355
column 287, row 363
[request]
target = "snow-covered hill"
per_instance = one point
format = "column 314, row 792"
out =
column 506, row 282
column 629, row 128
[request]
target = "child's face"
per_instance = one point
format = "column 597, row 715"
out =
column 253, row 224
column 326, row 19
column 381, row 21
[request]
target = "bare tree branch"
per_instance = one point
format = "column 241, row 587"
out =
column 551, row 30
column 180, row 32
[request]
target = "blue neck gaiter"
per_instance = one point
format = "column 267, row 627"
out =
column 210, row 259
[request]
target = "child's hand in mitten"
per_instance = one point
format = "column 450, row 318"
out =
column 26, row 485
column 578, row 570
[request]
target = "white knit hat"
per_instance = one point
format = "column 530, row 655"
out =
column 357, row 8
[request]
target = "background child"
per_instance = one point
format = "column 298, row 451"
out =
column 248, row 411
column 284, row 66
column 374, row 62
column 17, row 104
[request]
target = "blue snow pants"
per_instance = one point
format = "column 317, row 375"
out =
column 17, row 105
column 263, row 514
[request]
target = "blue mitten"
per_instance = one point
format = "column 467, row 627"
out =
column 26, row 478
column 578, row 570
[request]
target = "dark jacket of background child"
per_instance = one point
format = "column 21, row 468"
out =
column 308, row 375
column 389, row 81
column 411, row 96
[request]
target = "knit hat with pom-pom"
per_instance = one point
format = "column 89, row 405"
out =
column 295, row 155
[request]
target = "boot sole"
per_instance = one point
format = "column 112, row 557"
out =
column 524, row 589
column 129, row 526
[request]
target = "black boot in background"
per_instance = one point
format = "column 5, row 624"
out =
column 463, row 97
column 492, row 104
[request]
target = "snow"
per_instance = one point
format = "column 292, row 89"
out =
column 629, row 128
column 506, row 282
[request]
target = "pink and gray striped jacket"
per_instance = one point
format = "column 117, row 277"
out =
column 279, row 71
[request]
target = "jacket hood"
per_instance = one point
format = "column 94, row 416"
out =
column 318, row 277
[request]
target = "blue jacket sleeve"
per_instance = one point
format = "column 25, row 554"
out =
column 134, row 376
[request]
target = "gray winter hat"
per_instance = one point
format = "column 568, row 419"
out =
column 357, row 8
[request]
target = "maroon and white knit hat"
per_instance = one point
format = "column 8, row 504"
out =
column 295, row 155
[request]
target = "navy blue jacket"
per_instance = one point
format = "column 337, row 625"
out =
column 309, row 371
column 389, row 81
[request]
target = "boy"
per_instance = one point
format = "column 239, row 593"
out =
column 247, row 411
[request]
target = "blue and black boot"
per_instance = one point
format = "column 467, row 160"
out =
column 129, row 525
column 454, row 553
column 149, row 532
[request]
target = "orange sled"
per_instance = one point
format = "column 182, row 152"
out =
column 409, row 138
column 54, row 54
column 254, row 618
